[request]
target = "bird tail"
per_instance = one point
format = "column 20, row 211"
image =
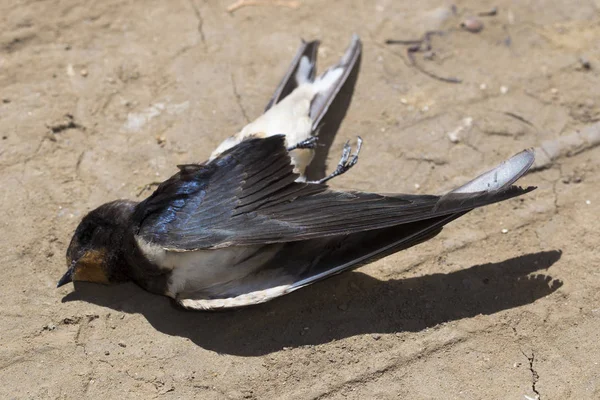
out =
column 334, row 89
column 302, row 70
column 330, row 83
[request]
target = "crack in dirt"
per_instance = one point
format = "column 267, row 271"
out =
column 200, row 21
column 238, row 99
column 535, row 377
column 555, row 189
column 394, row 365
column 160, row 386
column 78, row 163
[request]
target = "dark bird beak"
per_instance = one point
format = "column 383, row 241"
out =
column 68, row 276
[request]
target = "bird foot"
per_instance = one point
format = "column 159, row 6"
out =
column 346, row 162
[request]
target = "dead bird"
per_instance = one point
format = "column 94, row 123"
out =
column 245, row 227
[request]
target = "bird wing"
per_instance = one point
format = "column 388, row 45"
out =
column 299, row 264
column 248, row 196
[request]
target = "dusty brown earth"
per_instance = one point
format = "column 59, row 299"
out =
column 100, row 98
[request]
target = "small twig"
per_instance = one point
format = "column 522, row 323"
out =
column 518, row 117
column 293, row 4
column 491, row 13
column 422, row 45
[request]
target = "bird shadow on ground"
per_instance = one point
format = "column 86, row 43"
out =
column 345, row 305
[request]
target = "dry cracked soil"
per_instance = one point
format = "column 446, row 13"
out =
column 98, row 99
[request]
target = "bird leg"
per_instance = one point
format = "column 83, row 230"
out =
column 345, row 162
column 309, row 143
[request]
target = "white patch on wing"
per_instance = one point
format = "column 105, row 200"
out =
column 246, row 299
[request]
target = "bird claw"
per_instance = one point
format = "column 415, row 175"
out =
column 346, row 162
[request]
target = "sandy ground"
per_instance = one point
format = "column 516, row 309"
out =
column 100, row 98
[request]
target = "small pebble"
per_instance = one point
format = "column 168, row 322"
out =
column 49, row 327
column 84, row 72
column 107, row 353
column 453, row 136
column 585, row 63
column 425, row 108
column 403, row 101
column 376, row 336
column 503, row 89
column 122, row 344
column 504, row 230
column 417, row 186
column 588, row 202
column 483, row 86
column 554, row 90
column 510, row 17
column 472, row 25
column 343, row 307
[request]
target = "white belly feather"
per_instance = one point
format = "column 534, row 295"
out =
column 289, row 117
column 208, row 271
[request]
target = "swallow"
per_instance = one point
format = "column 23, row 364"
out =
column 247, row 225
column 241, row 230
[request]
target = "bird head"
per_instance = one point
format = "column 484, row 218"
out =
column 95, row 251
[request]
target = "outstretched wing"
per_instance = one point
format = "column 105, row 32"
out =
column 249, row 196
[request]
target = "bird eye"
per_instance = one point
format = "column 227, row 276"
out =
column 85, row 237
